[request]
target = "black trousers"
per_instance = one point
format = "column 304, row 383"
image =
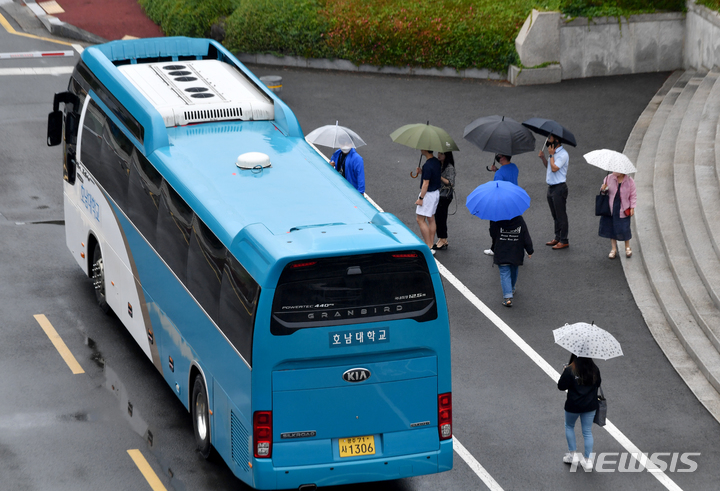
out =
column 557, row 200
column 441, row 215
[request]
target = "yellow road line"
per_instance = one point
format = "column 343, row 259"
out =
column 59, row 344
column 146, row 470
column 11, row 30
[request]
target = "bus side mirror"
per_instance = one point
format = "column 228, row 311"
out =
column 54, row 129
column 55, row 119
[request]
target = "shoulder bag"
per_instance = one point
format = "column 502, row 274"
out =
column 601, row 413
column 602, row 205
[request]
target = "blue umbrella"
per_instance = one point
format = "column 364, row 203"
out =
column 498, row 200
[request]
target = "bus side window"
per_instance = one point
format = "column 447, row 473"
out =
column 92, row 139
column 144, row 196
column 206, row 261
column 115, row 157
column 238, row 301
column 173, row 230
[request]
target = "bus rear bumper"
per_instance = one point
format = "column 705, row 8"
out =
column 268, row 477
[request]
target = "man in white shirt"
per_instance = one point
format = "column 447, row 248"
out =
column 557, row 164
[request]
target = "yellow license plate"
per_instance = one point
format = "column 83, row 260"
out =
column 359, row 445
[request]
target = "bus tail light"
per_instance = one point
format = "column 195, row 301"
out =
column 303, row 265
column 445, row 415
column 262, row 434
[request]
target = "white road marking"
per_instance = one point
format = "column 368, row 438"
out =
column 54, row 70
column 550, row 371
column 457, row 446
column 78, row 48
column 475, row 466
column 553, row 374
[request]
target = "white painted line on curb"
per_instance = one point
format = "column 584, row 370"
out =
column 55, row 70
column 78, row 48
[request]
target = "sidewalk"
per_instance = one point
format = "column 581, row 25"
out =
column 96, row 21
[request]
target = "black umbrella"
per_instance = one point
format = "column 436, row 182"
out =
column 498, row 134
column 545, row 127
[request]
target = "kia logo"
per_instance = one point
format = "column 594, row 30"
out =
column 356, row 375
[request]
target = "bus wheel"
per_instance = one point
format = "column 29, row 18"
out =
column 98, row 277
column 201, row 418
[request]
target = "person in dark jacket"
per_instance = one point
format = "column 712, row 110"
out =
column 511, row 239
column 581, row 379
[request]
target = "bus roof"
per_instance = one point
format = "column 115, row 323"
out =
column 298, row 206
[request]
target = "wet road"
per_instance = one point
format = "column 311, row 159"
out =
column 60, row 430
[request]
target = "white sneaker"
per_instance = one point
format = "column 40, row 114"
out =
column 586, row 463
column 489, row 252
column 571, row 457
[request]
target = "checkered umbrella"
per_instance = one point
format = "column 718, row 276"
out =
column 588, row 341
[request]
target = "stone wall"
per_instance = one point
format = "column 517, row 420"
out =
column 612, row 46
column 582, row 47
column 702, row 40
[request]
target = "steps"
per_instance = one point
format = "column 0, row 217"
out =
column 675, row 272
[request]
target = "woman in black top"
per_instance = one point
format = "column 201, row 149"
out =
column 447, row 176
column 581, row 379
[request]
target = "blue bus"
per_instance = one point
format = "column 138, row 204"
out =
column 306, row 332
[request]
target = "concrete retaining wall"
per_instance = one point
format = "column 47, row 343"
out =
column 702, row 40
column 612, row 46
column 597, row 47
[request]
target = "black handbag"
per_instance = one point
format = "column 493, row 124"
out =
column 601, row 413
column 602, row 205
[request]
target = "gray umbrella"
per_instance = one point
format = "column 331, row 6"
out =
column 499, row 134
column 334, row 136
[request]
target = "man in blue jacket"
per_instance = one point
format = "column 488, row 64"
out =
column 350, row 165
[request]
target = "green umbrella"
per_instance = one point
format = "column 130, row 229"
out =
column 424, row 137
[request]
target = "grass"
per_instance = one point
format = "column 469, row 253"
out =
column 711, row 4
column 425, row 33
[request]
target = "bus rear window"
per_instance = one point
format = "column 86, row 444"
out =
column 352, row 290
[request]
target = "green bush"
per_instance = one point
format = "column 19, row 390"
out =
column 456, row 33
column 284, row 27
column 618, row 8
column 711, row 4
column 187, row 17
column 428, row 33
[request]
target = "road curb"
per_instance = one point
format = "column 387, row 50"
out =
column 59, row 28
column 349, row 66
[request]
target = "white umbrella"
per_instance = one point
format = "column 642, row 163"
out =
column 610, row 161
column 334, row 136
column 588, row 341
